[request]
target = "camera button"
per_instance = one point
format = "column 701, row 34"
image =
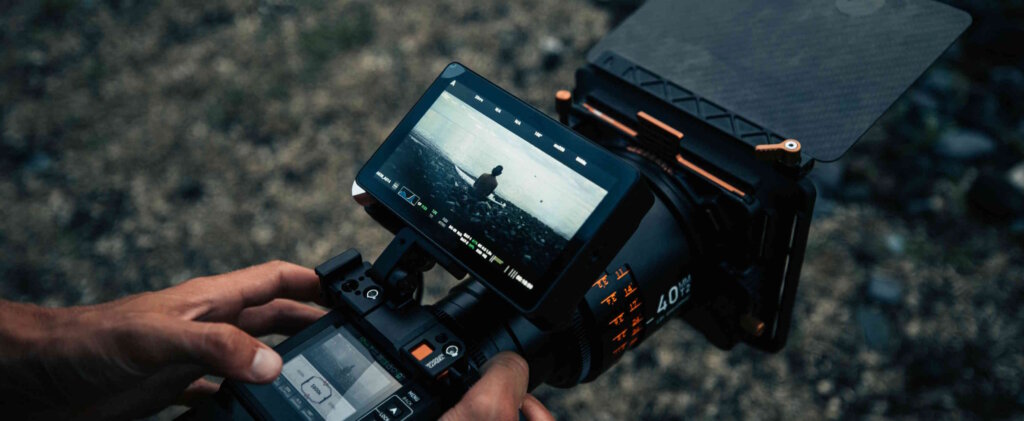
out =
column 392, row 409
column 452, row 350
column 422, row 351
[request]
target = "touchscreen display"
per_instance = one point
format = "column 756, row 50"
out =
column 468, row 166
column 335, row 379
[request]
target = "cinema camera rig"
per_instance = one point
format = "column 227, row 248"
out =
column 700, row 122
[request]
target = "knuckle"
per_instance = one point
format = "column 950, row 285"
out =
column 513, row 362
column 193, row 306
column 278, row 266
column 199, row 280
column 509, row 410
column 479, row 406
column 220, row 338
column 456, row 413
column 499, row 408
column 224, row 344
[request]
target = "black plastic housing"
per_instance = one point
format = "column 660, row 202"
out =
column 610, row 224
column 747, row 243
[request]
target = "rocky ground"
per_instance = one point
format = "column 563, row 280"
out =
column 142, row 144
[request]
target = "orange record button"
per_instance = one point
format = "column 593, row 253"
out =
column 422, row 351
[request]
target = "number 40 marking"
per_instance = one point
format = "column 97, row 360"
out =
column 677, row 295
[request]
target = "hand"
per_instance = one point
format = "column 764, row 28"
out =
column 136, row 355
column 500, row 394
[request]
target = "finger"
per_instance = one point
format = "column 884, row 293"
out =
column 533, row 410
column 279, row 316
column 230, row 352
column 222, row 296
column 498, row 394
column 222, row 349
column 197, row 391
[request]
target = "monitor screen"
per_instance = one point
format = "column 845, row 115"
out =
column 475, row 176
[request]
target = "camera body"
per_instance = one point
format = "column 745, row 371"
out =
column 666, row 204
column 647, row 261
column 370, row 358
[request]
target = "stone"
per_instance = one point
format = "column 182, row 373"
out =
column 551, row 50
column 885, row 290
column 996, row 196
column 857, row 192
column 895, row 243
column 922, row 99
column 825, row 387
column 38, row 163
column 1009, row 80
column 964, row 144
column 938, row 79
column 875, row 326
column 1016, row 176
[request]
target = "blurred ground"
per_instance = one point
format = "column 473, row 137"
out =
column 142, row 144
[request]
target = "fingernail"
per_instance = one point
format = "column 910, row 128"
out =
column 266, row 364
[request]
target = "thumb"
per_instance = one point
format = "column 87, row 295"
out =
column 498, row 394
column 228, row 351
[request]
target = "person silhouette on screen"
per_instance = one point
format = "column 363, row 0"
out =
column 486, row 183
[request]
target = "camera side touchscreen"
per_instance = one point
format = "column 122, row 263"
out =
column 505, row 190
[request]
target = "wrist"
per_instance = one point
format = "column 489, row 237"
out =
column 23, row 328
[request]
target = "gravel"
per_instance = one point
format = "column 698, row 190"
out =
column 142, row 144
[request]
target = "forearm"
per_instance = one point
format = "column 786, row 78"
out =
column 21, row 325
column 23, row 332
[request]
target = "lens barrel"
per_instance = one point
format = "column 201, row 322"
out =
column 644, row 286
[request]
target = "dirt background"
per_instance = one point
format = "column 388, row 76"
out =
column 145, row 143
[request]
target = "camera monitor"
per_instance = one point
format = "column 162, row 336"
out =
column 522, row 202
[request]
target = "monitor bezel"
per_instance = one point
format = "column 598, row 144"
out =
column 624, row 178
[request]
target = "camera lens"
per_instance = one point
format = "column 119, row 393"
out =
column 621, row 308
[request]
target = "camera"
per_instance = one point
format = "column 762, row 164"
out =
column 674, row 184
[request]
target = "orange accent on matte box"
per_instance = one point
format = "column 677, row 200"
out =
column 422, row 351
column 693, row 167
column 615, row 123
column 668, row 129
